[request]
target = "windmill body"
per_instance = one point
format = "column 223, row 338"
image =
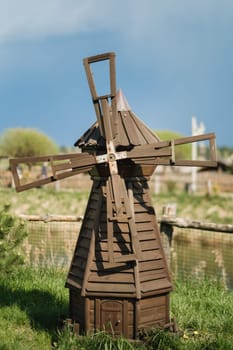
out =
column 119, row 272
column 118, row 278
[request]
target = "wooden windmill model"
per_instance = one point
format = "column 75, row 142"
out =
column 118, row 276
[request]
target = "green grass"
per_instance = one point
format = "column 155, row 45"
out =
column 44, row 201
column 34, row 302
column 204, row 311
column 216, row 209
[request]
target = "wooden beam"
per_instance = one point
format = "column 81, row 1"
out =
column 199, row 225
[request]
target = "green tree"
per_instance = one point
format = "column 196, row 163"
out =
column 12, row 233
column 182, row 151
column 25, row 142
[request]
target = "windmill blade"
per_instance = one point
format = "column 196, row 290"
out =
column 110, row 56
column 164, row 152
column 118, row 205
column 57, row 167
column 120, row 211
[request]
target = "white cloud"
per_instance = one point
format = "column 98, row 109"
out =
column 33, row 18
column 162, row 32
column 134, row 20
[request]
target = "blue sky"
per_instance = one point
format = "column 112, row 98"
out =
column 174, row 60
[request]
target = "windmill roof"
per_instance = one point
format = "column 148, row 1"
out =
column 131, row 131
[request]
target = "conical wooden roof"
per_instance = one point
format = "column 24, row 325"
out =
column 131, row 131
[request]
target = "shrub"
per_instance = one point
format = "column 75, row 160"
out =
column 24, row 142
column 12, row 233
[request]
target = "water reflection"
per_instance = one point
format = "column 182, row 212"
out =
column 203, row 256
column 193, row 253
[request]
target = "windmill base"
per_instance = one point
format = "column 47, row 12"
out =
column 128, row 317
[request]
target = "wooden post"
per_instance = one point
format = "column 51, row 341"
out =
column 196, row 130
column 166, row 229
column 166, row 232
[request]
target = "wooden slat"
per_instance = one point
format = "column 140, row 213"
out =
column 84, row 243
column 152, row 315
column 92, row 246
column 118, row 277
column 138, row 202
column 159, row 284
column 75, row 278
column 109, row 223
column 141, row 217
column 153, row 302
column 82, row 253
column 138, row 138
column 137, row 280
column 145, row 226
column 151, row 255
column 147, row 235
column 77, row 272
column 106, row 124
column 152, row 275
column 196, row 138
column 79, row 263
column 88, row 224
column 151, row 264
column 71, row 282
column 148, row 151
column 149, row 245
column 122, row 136
column 80, row 160
column 91, row 212
column 87, row 162
column 123, row 228
column 107, row 266
column 146, row 133
column 103, row 246
column 117, row 288
column 130, row 129
column 119, row 237
column 47, row 158
column 102, row 256
column 92, row 88
column 94, row 197
column 89, row 136
column 142, row 207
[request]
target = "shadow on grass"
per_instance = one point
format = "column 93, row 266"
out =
column 44, row 310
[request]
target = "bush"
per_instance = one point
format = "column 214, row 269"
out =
column 26, row 142
column 12, row 233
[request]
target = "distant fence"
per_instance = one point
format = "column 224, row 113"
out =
column 198, row 249
column 193, row 248
column 51, row 239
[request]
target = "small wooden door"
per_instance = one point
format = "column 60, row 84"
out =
column 111, row 316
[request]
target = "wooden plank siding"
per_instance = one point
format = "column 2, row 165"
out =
column 119, row 278
column 154, row 311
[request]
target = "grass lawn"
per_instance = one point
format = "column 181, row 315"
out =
column 33, row 303
column 44, row 201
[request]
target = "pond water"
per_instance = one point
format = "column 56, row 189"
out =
column 205, row 255
column 192, row 254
